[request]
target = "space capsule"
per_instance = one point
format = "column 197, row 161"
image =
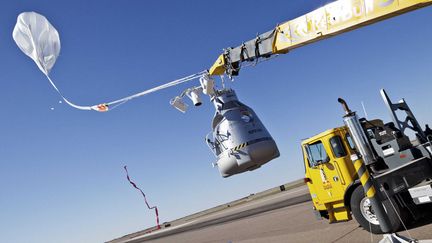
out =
column 239, row 140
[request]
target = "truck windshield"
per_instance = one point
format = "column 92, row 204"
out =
column 316, row 154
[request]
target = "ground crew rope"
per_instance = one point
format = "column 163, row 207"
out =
column 397, row 213
column 145, row 199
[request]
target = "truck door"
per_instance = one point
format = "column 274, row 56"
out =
column 326, row 159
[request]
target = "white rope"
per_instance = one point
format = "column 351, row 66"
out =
column 113, row 104
column 106, row 106
column 163, row 86
column 66, row 100
column 394, row 208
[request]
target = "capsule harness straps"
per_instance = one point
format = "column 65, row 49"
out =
column 145, row 199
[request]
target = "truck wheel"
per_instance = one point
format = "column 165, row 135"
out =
column 364, row 214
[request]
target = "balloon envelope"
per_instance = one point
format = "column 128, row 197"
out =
column 38, row 39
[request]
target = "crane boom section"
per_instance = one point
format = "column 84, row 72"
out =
column 332, row 19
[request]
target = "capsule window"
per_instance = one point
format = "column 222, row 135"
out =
column 337, row 147
column 316, row 154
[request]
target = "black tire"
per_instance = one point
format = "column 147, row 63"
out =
column 359, row 201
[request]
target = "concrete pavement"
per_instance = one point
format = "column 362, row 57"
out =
column 284, row 216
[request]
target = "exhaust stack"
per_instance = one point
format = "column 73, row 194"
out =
column 358, row 135
column 367, row 157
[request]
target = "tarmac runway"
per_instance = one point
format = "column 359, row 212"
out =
column 289, row 224
column 283, row 217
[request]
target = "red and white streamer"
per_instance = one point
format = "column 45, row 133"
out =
column 145, row 198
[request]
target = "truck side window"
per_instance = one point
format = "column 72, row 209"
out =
column 337, row 147
column 316, row 154
column 350, row 142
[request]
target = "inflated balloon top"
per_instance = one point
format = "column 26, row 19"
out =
column 39, row 40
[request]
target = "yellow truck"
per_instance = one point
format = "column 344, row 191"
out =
column 363, row 157
column 398, row 167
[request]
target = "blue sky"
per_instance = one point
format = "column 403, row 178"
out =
column 61, row 176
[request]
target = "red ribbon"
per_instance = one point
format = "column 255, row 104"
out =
column 145, row 199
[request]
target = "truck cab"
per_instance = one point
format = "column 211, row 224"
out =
column 354, row 169
column 329, row 172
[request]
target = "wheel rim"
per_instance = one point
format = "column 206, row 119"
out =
column 367, row 211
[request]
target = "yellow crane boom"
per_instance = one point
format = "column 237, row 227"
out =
column 332, row 19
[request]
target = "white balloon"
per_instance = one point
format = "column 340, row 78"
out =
column 38, row 39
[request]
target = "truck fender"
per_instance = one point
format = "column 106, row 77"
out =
column 349, row 191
